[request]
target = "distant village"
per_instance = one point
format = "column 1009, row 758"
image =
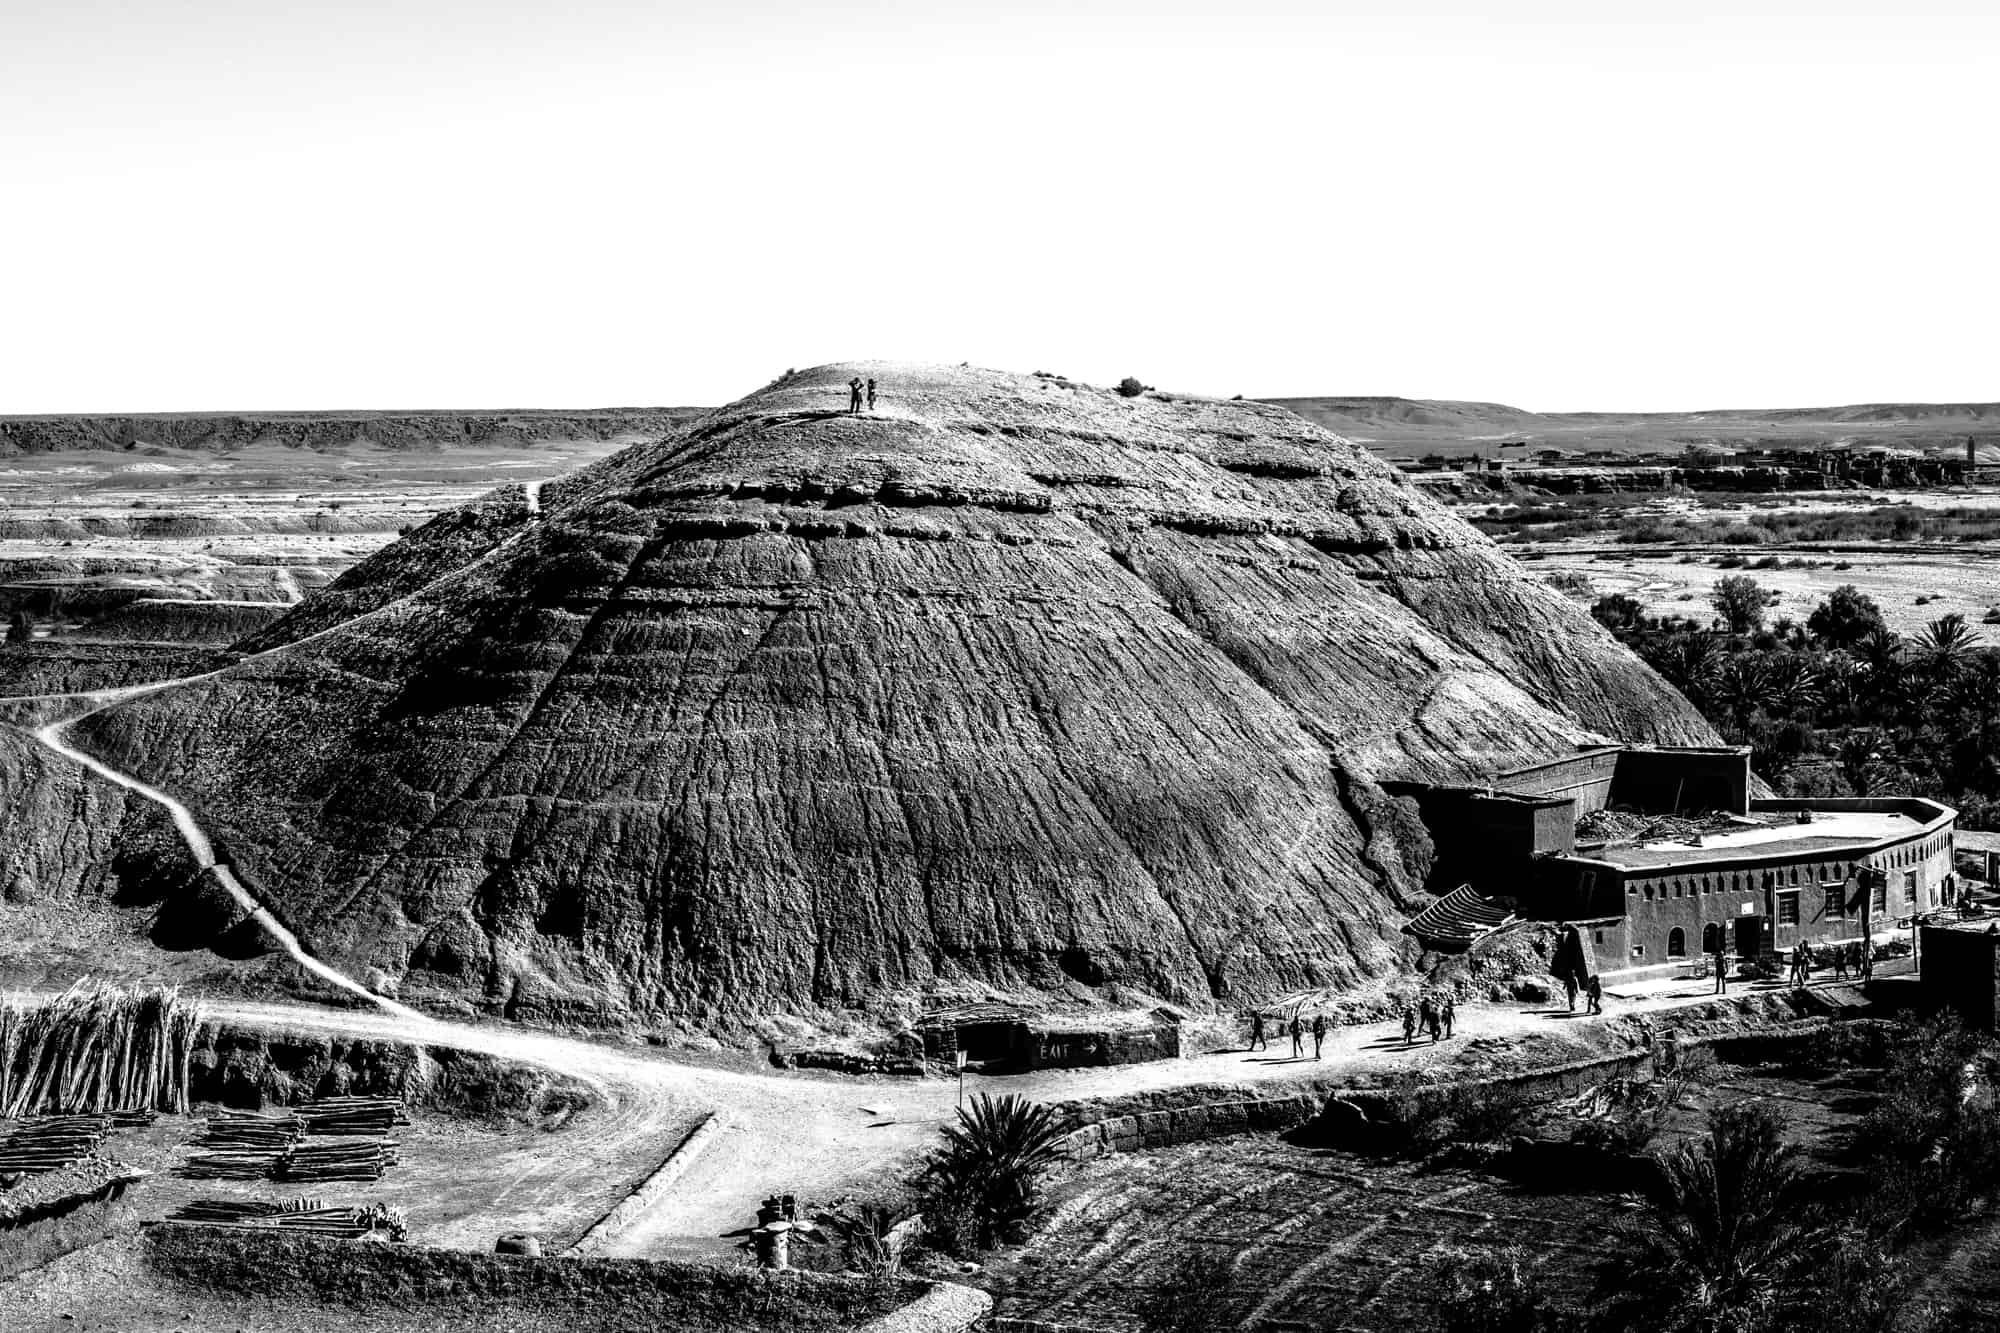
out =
column 1706, row 467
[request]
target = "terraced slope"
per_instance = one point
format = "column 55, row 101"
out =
column 1015, row 684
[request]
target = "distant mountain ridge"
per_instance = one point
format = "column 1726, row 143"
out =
column 220, row 432
column 1388, row 423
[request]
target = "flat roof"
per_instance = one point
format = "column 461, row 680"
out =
column 1831, row 832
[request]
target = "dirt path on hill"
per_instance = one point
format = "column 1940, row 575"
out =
column 815, row 1136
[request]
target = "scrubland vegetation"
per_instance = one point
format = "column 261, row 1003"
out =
column 1616, row 518
column 1838, row 705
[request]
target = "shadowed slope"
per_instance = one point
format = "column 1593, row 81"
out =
column 1015, row 683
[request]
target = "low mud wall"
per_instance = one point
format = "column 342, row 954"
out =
column 49, row 1228
column 1757, row 1028
column 255, row 1068
column 613, row 1295
column 1185, row 1115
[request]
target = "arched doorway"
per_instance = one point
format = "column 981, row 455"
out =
column 1677, row 943
column 1711, row 937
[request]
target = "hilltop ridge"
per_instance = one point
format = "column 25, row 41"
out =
column 1013, row 687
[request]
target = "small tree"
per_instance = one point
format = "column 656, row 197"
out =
column 1615, row 611
column 1845, row 618
column 1494, row 1291
column 1130, row 387
column 1740, row 601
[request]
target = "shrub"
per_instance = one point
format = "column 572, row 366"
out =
column 1492, row 1291
column 1130, row 387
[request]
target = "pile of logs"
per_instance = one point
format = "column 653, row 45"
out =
column 353, row 1115
column 244, row 1145
column 365, row 1160
column 52, row 1143
column 306, row 1216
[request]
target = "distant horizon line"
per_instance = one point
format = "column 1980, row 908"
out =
column 1990, row 404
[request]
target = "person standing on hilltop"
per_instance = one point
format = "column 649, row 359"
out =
column 871, row 393
column 854, row 394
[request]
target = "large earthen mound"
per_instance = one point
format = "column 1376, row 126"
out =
column 1014, row 684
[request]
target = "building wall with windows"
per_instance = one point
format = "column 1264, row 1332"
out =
column 1673, row 913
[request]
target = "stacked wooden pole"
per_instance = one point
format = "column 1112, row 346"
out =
column 52, row 1143
column 95, row 1049
column 352, row 1115
column 303, row 1216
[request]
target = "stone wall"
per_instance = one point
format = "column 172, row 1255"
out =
column 1185, row 1115
column 606, row 1295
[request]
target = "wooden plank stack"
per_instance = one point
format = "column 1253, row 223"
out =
column 51, row 1143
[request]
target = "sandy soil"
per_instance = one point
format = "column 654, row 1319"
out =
column 1967, row 583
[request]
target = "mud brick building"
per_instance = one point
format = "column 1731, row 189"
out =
column 1760, row 876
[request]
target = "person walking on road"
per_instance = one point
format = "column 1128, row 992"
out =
column 1596, row 993
column 1319, row 1033
column 1409, row 1024
column 1298, row 1039
column 1257, row 1042
column 1428, row 1012
column 1569, row 990
column 1839, row 962
column 1721, row 968
column 1447, row 1013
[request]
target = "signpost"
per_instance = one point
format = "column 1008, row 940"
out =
column 958, row 1058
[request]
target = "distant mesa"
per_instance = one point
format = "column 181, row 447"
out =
column 1012, row 688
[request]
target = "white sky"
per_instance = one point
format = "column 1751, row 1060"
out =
column 482, row 203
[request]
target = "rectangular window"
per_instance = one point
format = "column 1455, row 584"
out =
column 1836, row 901
column 1878, row 897
column 1909, row 886
column 1788, row 908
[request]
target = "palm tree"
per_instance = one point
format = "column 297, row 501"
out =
column 1862, row 753
column 1743, row 686
column 1722, row 1241
column 1796, row 685
column 1945, row 645
column 1687, row 662
column 1885, row 673
column 984, row 1184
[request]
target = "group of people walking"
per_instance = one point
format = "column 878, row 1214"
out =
column 1433, row 1015
column 1298, row 1030
column 1850, row 961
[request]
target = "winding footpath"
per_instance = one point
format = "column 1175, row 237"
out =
column 817, row 1136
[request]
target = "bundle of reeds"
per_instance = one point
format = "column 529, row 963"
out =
column 94, row 1049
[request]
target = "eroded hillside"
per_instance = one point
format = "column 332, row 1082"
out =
column 1013, row 684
